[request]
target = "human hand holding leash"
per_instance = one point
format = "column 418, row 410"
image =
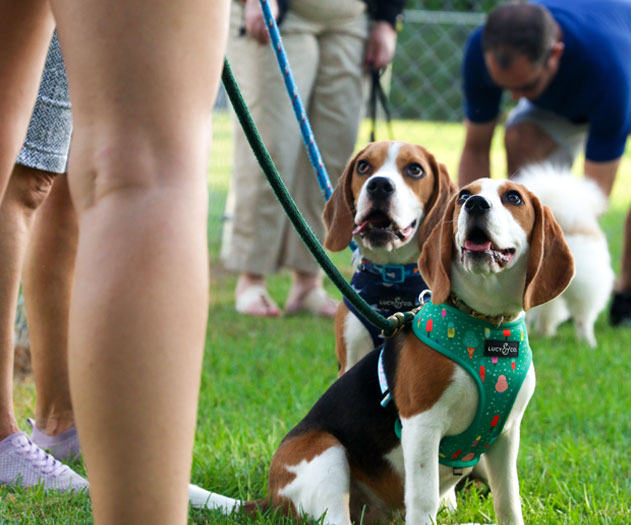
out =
column 255, row 22
column 381, row 45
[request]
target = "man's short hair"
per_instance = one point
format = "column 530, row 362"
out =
column 519, row 28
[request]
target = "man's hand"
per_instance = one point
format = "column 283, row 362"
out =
column 254, row 21
column 380, row 46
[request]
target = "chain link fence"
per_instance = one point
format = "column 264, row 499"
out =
column 426, row 70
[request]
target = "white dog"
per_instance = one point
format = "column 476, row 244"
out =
column 577, row 203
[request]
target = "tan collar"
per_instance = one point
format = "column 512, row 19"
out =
column 495, row 320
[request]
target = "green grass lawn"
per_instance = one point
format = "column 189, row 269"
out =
column 261, row 376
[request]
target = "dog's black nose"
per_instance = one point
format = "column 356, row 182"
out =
column 380, row 187
column 477, row 205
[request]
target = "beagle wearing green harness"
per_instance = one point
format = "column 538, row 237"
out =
column 393, row 435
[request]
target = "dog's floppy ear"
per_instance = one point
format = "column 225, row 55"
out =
column 338, row 211
column 550, row 265
column 444, row 188
column 435, row 261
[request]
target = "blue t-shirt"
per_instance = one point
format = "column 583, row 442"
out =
column 592, row 84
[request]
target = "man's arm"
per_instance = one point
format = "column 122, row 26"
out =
column 602, row 173
column 474, row 161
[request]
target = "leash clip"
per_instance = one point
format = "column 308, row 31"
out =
column 398, row 319
column 424, row 297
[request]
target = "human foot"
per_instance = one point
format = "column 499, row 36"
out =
column 254, row 300
column 314, row 301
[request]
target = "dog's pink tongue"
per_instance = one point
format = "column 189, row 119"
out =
column 360, row 228
column 476, row 247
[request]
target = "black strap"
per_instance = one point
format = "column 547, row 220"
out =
column 377, row 93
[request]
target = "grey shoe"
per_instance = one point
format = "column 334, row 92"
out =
column 24, row 463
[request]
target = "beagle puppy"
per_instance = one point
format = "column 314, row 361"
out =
column 388, row 199
column 394, row 434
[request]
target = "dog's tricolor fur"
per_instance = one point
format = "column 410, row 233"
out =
column 577, row 203
column 389, row 198
column 500, row 251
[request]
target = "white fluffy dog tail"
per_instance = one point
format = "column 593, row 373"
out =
column 575, row 201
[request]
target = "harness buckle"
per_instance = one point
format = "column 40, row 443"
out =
column 393, row 273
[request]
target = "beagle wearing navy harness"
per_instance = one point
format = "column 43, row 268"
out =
column 362, row 453
column 388, row 199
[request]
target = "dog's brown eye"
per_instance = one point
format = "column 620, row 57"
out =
column 512, row 197
column 414, row 170
column 464, row 195
column 363, row 167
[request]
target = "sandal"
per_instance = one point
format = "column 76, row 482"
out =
column 316, row 302
column 255, row 300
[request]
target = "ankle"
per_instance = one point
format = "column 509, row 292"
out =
column 302, row 282
column 7, row 429
column 55, row 424
column 249, row 279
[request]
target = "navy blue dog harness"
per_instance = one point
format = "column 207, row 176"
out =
column 387, row 288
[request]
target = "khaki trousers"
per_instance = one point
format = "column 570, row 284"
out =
column 325, row 43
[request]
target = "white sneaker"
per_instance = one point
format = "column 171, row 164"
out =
column 25, row 464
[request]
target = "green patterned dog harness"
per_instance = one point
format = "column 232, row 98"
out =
column 497, row 358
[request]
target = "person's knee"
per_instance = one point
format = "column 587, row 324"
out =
column 30, row 186
column 133, row 165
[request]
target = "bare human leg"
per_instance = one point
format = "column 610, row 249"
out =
column 46, row 284
column 26, row 28
column 25, row 31
column 143, row 77
column 21, row 461
column 26, row 190
column 525, row 143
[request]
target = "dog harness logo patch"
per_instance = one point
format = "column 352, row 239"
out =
column 497, row 358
